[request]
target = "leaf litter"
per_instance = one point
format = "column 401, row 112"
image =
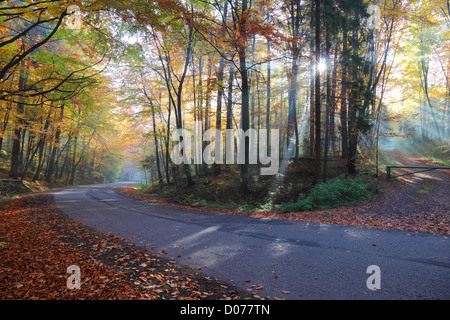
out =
column 39, row 242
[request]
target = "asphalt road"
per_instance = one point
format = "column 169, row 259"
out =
column 303, row 260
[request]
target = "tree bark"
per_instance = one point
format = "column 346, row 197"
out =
column 317, row 97
column 245, row 119
column 229, row 124
column 328, row 103
column 51, row 165
column 343, row 112
column 220, row 91
column 354, row 106
column 268, row 96
column 15, row 151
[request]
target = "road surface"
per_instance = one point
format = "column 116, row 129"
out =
column 287, row 259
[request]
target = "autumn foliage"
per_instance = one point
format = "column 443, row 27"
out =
column 38, row 243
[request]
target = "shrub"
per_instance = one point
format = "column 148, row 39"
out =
column 342, row 191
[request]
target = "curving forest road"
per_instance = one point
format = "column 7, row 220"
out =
column 278, row 259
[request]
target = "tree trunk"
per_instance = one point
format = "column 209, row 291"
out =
column 229, row 124
column 41, row 145
column 311, row 88
column 220, row 94
column 166, row 167
column 158, row 166
column 15, row 151
column 354, row 106
column 317, row 96
column 333, row 105
column 4, row 124
column 328, row 104
column 245, row 119
column 343, row 112
column 74, row 163
column 292, row 116
column 268, row 96
column 51, row 165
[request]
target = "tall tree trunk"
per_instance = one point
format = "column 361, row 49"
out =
column 354, row 107
column 4, row 123
column 268, row 95
column 51, row 165
column 292, row 129
column 229, row 124
column 179, row 121
column 333, row 104
column 317, row 96
column 158, row 166
column 343, row 112
column 195, row 112
column 291, row 144
column 166, row 167
column 207, row 105
column 245, row 117
column 252, row 84
column 328, row 103
column 74, row 162
column 311, row 86
column 220, row 86
column 41, row 145
column 66, row 158
column 15, row 151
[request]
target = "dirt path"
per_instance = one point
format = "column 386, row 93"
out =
column 425, row 192
column 418, row 202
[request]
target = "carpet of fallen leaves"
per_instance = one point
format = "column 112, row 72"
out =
column 418, row 203
column 38, row 243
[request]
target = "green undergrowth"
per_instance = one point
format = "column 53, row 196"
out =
column 338, row 192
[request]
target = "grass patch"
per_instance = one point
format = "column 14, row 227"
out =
column 426, row 188
column 439, row 162
column 339, row 192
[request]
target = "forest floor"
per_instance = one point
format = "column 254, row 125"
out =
column 38, row 243
column 418, row 202
column 10, row 188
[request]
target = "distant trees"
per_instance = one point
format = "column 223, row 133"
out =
column 52, row 128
